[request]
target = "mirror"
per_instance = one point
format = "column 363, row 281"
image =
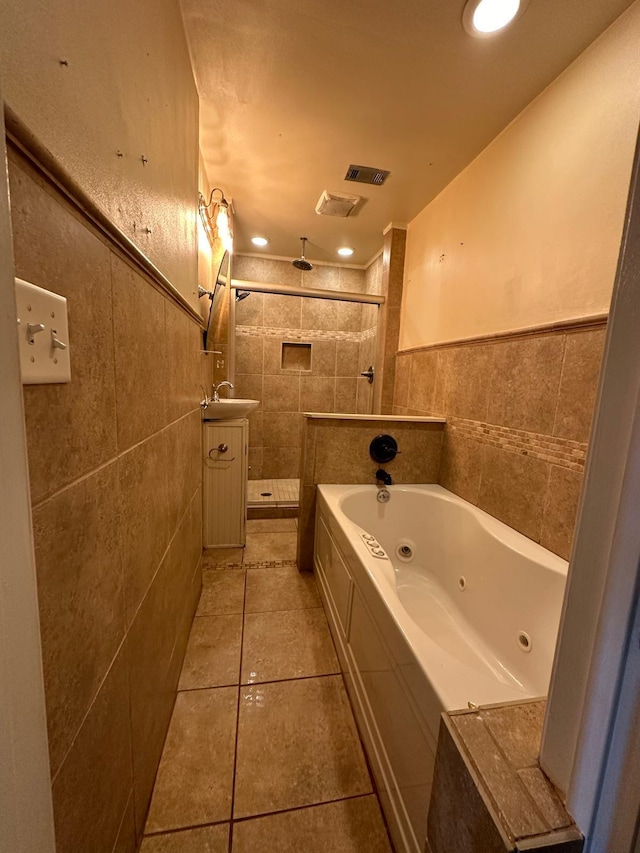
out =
column 216, row 332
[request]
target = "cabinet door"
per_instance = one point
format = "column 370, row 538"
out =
column 224, row 484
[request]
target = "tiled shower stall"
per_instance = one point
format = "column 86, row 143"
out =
column 297, row 354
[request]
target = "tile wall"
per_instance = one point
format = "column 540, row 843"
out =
column 518, row 412
column 114, row 460
column 368, row 340
column 395, row 241
column 336, row 450
column 342, row 338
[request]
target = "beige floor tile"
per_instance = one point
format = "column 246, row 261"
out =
column 281, row 589
column 285, row 644
column 221, row 556
column 195, row 777
column 204, row 839
column 270, row 546
column 222, row 592
column 271, row 525
column 349, row 826
column 297, row 746
column 212, row 658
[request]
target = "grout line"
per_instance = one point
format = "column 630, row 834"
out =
column 111, row 461
column 215, row 615
column 370, row 793
column 126, row 809
column 235, row 747
column 559, row 390
column 184, row 828
column 285, row 610
column 545, row 505
column 290, row 679
column 209, row 687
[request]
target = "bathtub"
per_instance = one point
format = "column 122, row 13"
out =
column 434, row 606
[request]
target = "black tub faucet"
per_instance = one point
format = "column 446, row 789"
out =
column 383, row 477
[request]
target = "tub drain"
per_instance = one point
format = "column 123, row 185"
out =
column 405, row 550
column 524, row 641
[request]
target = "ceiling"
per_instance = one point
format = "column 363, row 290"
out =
column 292, row 93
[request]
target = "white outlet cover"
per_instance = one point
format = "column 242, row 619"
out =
column 44, row 352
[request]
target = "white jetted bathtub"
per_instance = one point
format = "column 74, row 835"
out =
column 434, row 606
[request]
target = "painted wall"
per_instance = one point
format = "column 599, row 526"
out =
column 126, row 87
column 529, row 233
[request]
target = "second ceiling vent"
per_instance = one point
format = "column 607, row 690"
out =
column 366, row 175
column 336, row 204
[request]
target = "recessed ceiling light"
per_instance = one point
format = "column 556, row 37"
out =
column 259, row 241
column 346, row 251
column 484, row 17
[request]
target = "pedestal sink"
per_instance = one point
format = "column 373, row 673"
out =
column 232, row 408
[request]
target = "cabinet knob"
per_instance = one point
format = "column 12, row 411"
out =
column 223, row 447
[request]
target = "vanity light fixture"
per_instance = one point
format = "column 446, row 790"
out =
column 346, row 251
column 259, row 241
column 483, row 18
column 216, row 218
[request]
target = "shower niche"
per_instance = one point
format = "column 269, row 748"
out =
column 295, row 356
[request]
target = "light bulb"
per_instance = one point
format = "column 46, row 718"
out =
column 488, row 16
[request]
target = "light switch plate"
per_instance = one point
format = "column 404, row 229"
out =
column 43, row 334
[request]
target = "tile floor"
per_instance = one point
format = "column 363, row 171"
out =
column 269, row 541
column 262, row 753
column 273, row 492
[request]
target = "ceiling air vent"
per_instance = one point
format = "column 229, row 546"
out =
column 366, row 175
column 336, row 204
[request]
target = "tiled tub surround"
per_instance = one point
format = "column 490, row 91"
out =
column 336, row 450
column 395, row 240
column 342, row 338
column 114, row 460
column 262, row 752
column 431, row 632
column 489, row 794
column 518, row 410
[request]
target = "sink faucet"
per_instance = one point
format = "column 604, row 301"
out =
column 216, row 396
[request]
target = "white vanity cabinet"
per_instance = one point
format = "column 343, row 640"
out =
column 224, row 482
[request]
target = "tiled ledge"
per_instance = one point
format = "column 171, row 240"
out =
column 335, row 416
column 489, row 793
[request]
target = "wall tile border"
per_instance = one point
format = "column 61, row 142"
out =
column 559, row 451
column 304, row 334
column 518, row 407
column 593, row 321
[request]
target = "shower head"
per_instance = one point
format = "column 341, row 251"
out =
column 300, row 263
column 242, row 294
